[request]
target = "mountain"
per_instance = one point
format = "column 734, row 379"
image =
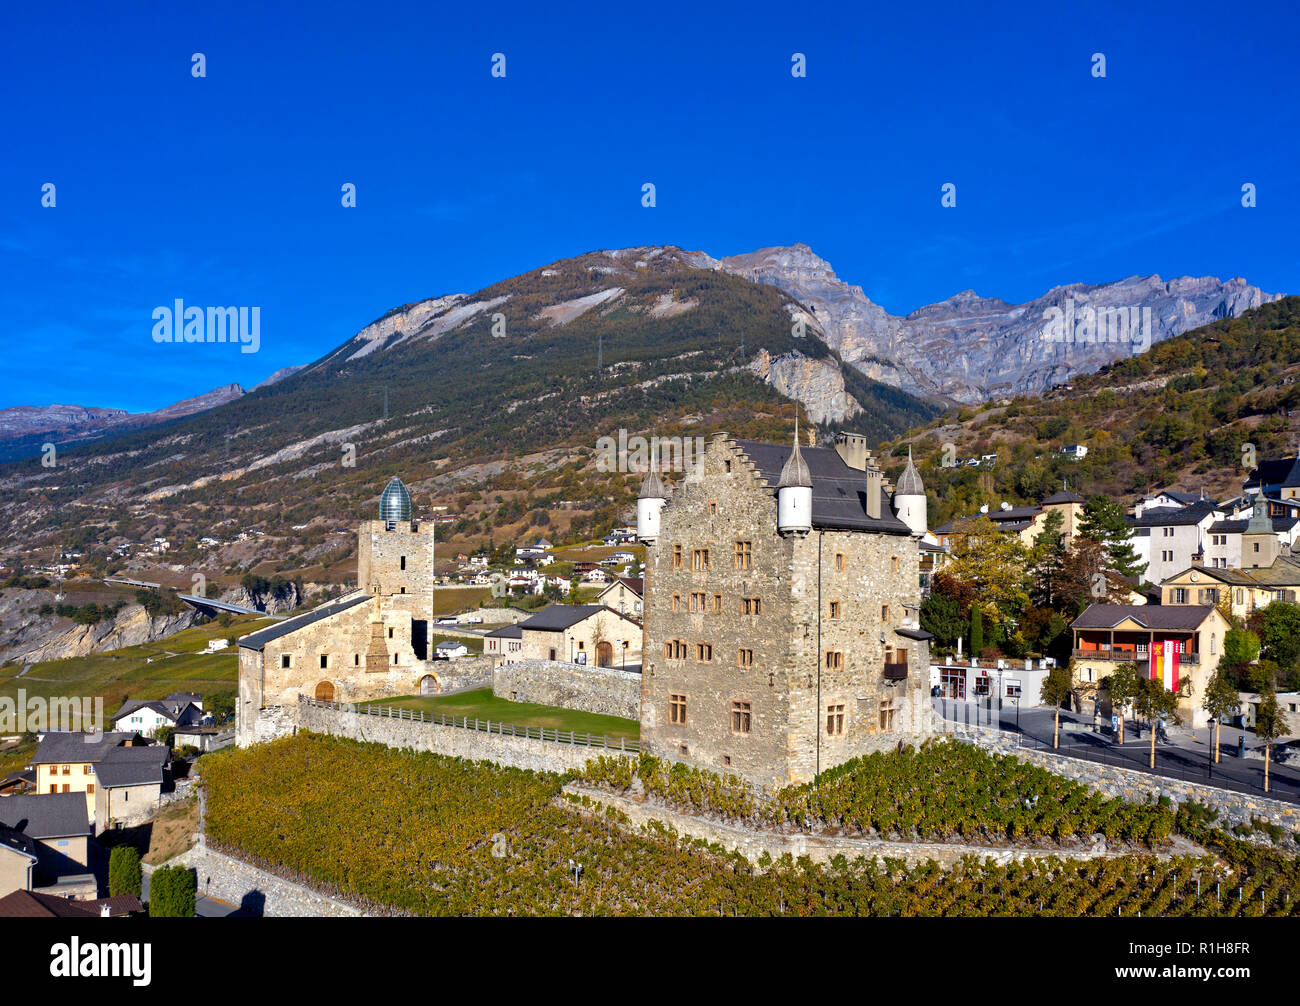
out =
column 968, row 348
column 1193, row 413
column 25, row 429
column 489, row 403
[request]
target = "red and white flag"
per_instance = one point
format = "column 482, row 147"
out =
column 1164, row 663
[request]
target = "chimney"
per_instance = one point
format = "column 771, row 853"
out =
column 852, row 448
column 875, row 487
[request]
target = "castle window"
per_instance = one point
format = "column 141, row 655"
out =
column 745, row 658
column 835, row 609
column 403, row 562
column 726, row 467
column 884, row 613
column 677, row 603
column 390, row 633
column 286, row 660
column 698, row 602
column 893, row 564
column 324, row 660
column 704, row 652
column 726, row 759
column 677, row 709
column 744, row 555
column 713, row 508
column 700, row 560
column 834, row 660
column 677, row 557
column 839, row 561
column 751, row 606
column 394, row 658
column 740, row 717
column 356, row 660
column 835, row 719
column 888, row 708
column 403, row 590
column 675, row 649
column 717, row 604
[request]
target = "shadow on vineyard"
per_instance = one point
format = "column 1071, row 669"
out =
column 411, row 833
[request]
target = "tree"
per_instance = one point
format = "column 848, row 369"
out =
column 1270, row 723
column 1086, row 577
column 172, row 891
column 1055, row 693
column 1123, row 685
column 1154, row 701
column 992, row 563
column 976, row 631
column 941, row 617
column 1103, row 521
column 1278, row 626
column 124, row 874
column 1046, row 556
column 163, row 734
column 1221, row 699
column 1240, row 647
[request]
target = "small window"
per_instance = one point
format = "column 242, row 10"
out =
column 751, row 606
column 740, row 717
column 700, row 560
column 704, row 652
column 726, row 467
column 324, row 660
column 839, row 561
column 835, row 609
column 286, row 660
column 677, row 557
column 887, row 711
column 390, row 633
column 356, row 660
column 893, row 564
column 403, row 562
column 677, row 711
column 677, row 603
column 745, row 658
column 884, row 613
column 834, row 660
column 713, row 508
column 90, row 788
column 835, row 720
column 717, row 604
column 744, row 554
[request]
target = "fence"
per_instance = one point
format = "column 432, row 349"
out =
column 497, row 727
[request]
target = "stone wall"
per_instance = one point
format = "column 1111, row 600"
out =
column 1131, row 784
column 238, row 883
column 457, row 742
column 752, row 843
column 605, row 690
column 463, row 673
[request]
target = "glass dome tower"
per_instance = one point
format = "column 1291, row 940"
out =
column 395, row 503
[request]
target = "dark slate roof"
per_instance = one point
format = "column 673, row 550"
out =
column 1239, row 526
column 558, row 617
column 839, row 492
column 1180, row 497
column 34, row 905
column 1179, row 617
column 635, row 583
column 1281, row 472
column 918, row 634
column 507, row 632
column 136, row 766
column 16, row 841
column 118, row 904
column 1063, row 496
column 67, row 746
column 46, row 815
column 258, row 640
column 1193, row 513
column 1285, row 572
column 131, row 705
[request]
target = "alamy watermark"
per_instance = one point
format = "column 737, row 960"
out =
column 179, row 323
column 635, row 454
column 1086, row 325
column 33, row 714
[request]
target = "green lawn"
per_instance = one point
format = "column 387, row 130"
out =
column 148, row 671
column 483, row 705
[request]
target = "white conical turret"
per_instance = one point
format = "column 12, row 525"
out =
column 794, row 493
column 650, row 500
column 909, row 498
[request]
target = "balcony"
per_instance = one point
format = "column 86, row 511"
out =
column 895, row 671
column 1129, row 656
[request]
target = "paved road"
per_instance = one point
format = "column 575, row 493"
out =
column 1187, row 756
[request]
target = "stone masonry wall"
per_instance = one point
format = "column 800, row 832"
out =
column 457, row 742
column 1110, row 780
column 608, row 691
column 235, row 882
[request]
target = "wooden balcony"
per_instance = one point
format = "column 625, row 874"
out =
column 1128, row 656
column 895, row 672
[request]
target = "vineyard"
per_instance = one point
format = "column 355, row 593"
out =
column 941, row 792
column 407, row 833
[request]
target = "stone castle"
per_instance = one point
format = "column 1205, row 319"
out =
column 782, row 591
column 374, row 642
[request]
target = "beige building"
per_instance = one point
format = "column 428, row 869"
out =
column 43, row 837
column 592, row 634
column 624, row 595
column 782, row 588
column 1107, row 635
column 1247, row 590
column 72, row 762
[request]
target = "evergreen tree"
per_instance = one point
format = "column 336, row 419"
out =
column 976, row 631
column 1103, row 521
column 124, row 874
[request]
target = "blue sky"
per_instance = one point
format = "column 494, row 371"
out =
column 225, row 190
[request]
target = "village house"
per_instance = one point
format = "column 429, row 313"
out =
column 581, row 634
column 67, row 762
column 44, row 840
column 1025, row 521
column 1107, row 635
column 624, row 595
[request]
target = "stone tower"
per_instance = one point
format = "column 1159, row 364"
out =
column 395, row 556
column 909, row 498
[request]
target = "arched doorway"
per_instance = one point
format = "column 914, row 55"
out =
column 429, row 685
column 604, row 654
column 325, row 692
